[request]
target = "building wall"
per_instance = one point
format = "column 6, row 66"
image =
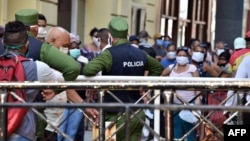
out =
column 99, row 13
column 91, row 13
column 229, row 21
column 8, row 9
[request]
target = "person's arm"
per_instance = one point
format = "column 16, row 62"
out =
column 154, row 67
column 198, row 99
column 60, row 61
column 166, row 71
column 102, row 62
column 73, row 96
column 209, row 69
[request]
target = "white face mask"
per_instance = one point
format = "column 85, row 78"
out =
column 134, row 45
column 219, row 51
column 171, row 55
column 97, row 42
column 64, row 50
column 42, row 31
column 181, row 60
column 110, row 39
column 198, row 56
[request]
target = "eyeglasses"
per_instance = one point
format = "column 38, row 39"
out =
column 183, row 48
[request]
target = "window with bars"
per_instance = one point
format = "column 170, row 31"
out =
column 186, row 19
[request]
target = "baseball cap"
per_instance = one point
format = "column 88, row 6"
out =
column 74, row 38
column 134, row 37
column 157, row 35
column 239, row 43
column 247, row 36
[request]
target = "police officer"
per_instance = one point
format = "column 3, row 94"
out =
column 123, row 59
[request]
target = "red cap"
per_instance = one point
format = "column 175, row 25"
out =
column 247, row 34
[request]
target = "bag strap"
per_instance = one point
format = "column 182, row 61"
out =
column 172, row 69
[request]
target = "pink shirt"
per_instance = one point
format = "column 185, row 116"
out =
column 186, row 95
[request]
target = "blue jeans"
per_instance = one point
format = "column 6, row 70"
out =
column 16, row 137
column 70, row 122
column 181, row 127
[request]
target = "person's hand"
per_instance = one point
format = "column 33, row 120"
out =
column 48, row 94
column 91, row 94
column 93, row 114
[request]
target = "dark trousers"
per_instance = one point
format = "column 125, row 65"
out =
column 50, row 136
column 80, row 131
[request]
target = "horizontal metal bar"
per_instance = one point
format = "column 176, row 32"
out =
column 132, row 106
column 136, row 82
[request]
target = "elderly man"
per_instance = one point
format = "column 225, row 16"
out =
column 60, row 38
column 122, row 59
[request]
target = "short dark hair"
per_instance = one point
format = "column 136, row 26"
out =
column 226, row 55
column 103, row 34
column 191, row 41
column 92, row 31
column 42, row 17
column 15, row 33
column 148, row 50
column 172, row 44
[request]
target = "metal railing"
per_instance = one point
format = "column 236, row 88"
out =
column 133, row 83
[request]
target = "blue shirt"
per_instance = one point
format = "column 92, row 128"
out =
column 166, row 62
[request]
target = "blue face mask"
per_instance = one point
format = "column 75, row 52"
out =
column 166, row 43
column 159, row 42
column 75, row 53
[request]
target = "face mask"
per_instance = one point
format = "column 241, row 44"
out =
column 198, row 56
column 110, row 40
column 166, row 43
column 171, row 55
column 64, row 50
column 159, row 42
column 74, row 53
column 42, row 31
column 97, row 42
column 224, row 67
column 181, row 60
column 219, row 51
column 135, row 45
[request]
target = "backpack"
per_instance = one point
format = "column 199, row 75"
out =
column 11, row 69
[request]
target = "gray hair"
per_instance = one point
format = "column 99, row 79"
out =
column 49, row 33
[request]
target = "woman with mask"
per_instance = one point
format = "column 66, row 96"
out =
column 92, row 49
column 170, row 57
column 183, row 69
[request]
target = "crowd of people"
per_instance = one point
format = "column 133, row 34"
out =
column 57, row 55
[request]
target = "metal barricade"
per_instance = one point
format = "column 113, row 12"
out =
column 132, row 83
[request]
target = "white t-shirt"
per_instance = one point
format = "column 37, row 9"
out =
column 54, row 115
column 186, row 95
column 46, row 73
column 242, row 72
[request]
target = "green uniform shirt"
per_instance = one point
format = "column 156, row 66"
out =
column 103, row 63
column 68, row 66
